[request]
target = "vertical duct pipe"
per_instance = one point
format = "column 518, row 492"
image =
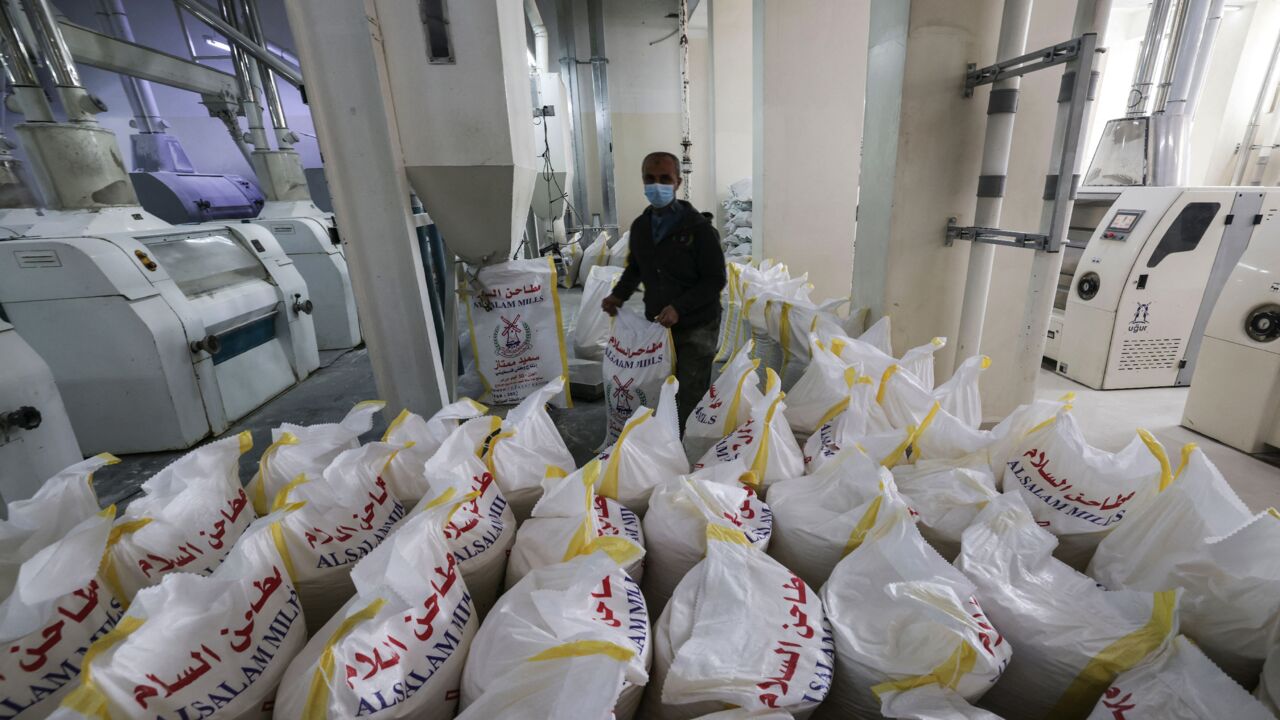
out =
column 1001, row 106
column 20, row 70
column 604, row 117
column 247, row 79
column 1172, row 124
column 569, row 66
column 686, row 133
column 275, row 108
column 1148, row 57
column 76, row 101
column 138, row 92
column 540, row 52
column 1251, row 130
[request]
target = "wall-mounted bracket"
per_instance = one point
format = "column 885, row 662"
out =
column 1014, row 67
column 994, row 236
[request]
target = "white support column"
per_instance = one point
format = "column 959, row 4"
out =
column 340, row 50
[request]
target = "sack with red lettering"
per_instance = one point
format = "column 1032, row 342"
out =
column 1079, row 492
column 943, row 436
column 480, row 532
column 740, row 630
column 726, row 404
column 907, row 400
column 396, row 649
column 860, row 424
column 323, row 525
column 819, row 518
column 55, row 603
column 420, row 439
column 1179, row 683
column 820, row 393
column 647, row 452
column 929, row 702
column 591, row 333
column 764, row 442
column 306, row 450
column 517, row 331
column 621, row 251
column 946, row 495
column 675, row 528
column 571, row 520
column 587, row 601
column 61, row 503
column 1268, row 690
column 637, row 360
column 1070, row 637
column 902, row 617
column 740, row 714
column 187, row 519
column 528, row 443
column 1199, row 536
column 564, row 681
column 196, row 646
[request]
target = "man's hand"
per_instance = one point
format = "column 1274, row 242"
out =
column 610, row 305
column 667, row 317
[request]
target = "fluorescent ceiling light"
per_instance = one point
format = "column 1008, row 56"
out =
column 211, row 42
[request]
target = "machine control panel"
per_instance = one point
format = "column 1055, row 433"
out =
column 1122, row 223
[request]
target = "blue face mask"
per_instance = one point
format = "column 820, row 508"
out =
column 660, row 196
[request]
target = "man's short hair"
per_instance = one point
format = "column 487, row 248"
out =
column 661, row 154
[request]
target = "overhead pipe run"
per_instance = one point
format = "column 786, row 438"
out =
column 20, row 72
column 285, row 138
column 1148, row 57
column 142, row 100
column 604, row 114
column 1188, row 54
column 540, row 52
column 77, row 103
column 209, row 17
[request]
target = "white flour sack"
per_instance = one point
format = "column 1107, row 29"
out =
column 621, row 251
column 1268, row 690
column 196, row 646
column 572, row 680
column 675, row 528
column 55, row 603
column 820, row 518
column 557, row 611
column 902, row 618
column 647, row 452
column 874, row 361
column 1180, row 683
column 726, row 404
column 943, row 436
column 930, row 702
column 527, row 445
column 480, row 531
column 946, row 495
column 571, row 259
column 637, row 360
column 907, row 400
column 571, row 520
column 420, row 439
column 306, row 450
column 764, row 442
column 1198, row 536
column 63, row 501
column 595, row 254
column 821, row 393
column 517, row 334
column 323, row 526
column 740, row 714
column 740, row 630
column 187, row 519
column 1070, row 637
column 859, row 422
column 396, row 649
column 591, row 333
column 1078, row 492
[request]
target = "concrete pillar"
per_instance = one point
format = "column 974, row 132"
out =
column 809, row 80
column 922, row 145
column 731, row 101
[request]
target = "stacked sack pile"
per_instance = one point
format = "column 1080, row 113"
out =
column 853, row 545
column 737, row 220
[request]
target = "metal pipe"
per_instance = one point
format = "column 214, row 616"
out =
column 604, row 118
column 138, row 92
column 1185, row 58
column 1171, row 125
column 1014, row 26
column 1251, row 130
column 1140, row 95
column 19, row 70
column 233, row 35
column 569, row 66
column 57, row 54
column 686, row 132
column 540, row 52
column 1176, row 32
column 247, row 77
column 1204, row 55
column 275, row 108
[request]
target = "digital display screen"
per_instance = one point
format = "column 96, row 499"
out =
column 1125, row 220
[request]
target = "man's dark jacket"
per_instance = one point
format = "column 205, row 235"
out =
column 685, row 270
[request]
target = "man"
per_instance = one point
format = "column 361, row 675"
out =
column 676, row 254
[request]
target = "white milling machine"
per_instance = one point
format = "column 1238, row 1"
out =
column 158, row 336
column 36, row 439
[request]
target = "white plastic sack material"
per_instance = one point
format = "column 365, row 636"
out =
column 571, row 259
column 947, row 496
column 818, row 519
column 306, row 450
column 903, row 617
column 647, row 452
column 639, row 357
column 587, row 601
column 1197, row 535
column 740, row 630
column 528, row 444
column 420, row 438
column 1268, row 690
column 879, row 336
column 930, row 702
column 1078, row 492
column 595, row 254
column 943, row 436
column 861, row 423
column 189, row 516
column 571, row 520
column 54, row 607
column 591, row 333
column 821, row 393
column 907, row 400
column 573, row 680
column 741, row 189
column 194, row 646
column 323, row 526
column 397, row 648
column 621, row 251
column 740, row 714
column 726, row 405
column 872, row 361
column 675, row 528
column 1178, row 684
column 517, row 331
column 1070, row 637
column 764, row 442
